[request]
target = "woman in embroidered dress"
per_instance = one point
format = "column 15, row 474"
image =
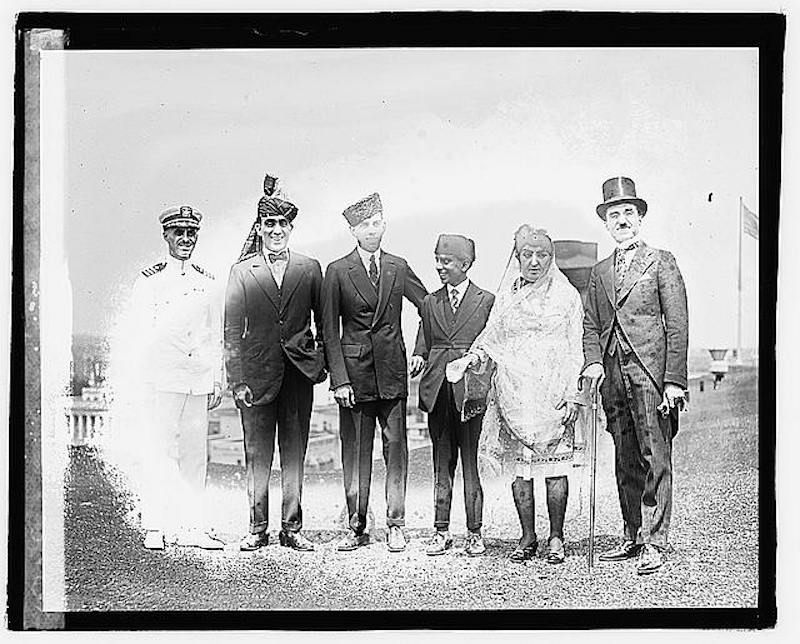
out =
column 529, row 356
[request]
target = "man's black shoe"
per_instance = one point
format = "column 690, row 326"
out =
column 294, row 540
column 254, row 541
column 628, row 550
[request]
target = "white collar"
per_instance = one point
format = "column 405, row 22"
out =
column 629, row 242
column 459, row 288
column 366, row 255
column 178, row 264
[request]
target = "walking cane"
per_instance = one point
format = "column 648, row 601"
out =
column 593, row 470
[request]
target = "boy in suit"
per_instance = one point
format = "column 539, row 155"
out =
column 273, row 361
column 452, row 318
column 362, row 298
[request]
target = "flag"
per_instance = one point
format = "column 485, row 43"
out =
column 749, row 222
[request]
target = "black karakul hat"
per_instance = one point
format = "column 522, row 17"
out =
column 363, row 209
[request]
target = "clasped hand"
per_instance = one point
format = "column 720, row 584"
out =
column 674, row 396
column 344, row 396
column 243, row 394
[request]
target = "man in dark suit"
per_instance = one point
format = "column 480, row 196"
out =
column 363, row 292
column 273, row 361
column 635, row 344
column 452, row 318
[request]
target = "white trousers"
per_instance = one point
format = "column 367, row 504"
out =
column 175, row 471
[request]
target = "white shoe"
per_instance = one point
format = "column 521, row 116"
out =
column 208, row 541
column 198, row 539
column 154, row 540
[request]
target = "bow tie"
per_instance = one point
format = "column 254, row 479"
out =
column 283, row 256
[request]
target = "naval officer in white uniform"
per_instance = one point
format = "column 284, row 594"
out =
column 179, row 325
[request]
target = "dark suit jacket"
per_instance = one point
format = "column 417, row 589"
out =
column 369, row 355
column 441, row 342
column 651, row 311
column 263, row 324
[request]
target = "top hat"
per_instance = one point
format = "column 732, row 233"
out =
column 620, row 190
column 181, row 217
column 457, row 245
column 363, row 209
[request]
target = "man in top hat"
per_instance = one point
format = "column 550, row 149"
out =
column 363, row 292
column 635, row 344
column 452, row 318
column 179, row 321
column 273, row 360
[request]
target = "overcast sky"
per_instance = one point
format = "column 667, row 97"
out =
column 470, row 141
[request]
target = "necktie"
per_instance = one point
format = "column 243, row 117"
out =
column 621, row 261
column 373, row 271
column 277, row 257
column 454, row 299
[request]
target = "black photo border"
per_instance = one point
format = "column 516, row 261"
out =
column 148, row 31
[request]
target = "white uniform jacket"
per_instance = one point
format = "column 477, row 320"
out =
column 177, row 308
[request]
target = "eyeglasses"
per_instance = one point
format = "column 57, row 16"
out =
column 271, row 222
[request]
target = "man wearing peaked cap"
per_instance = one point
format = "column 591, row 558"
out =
column 273, row 360
column 180, row 329
column 362, row 295
column 635, row 344
column 452, row 318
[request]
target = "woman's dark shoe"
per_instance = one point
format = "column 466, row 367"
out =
column 555, row 554
column 523, row 553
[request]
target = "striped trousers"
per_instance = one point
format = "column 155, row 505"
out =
column 642, row 446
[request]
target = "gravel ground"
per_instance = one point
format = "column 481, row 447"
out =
column 713, row 561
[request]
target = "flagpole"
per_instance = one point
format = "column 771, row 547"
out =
column 739, row 317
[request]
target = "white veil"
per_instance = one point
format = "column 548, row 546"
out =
column 518, row 336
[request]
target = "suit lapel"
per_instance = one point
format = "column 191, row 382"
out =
column 291, row 278
column 606, row 272
column 385, row 283
column 439, row 312
column 641, row 260
column 470, row 303
column 358, row 275
column 265, row 280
